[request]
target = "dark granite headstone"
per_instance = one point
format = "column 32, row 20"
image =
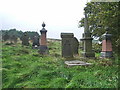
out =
column 35, row 44
column 67, row 49
column 75, row 46
column 25, row 39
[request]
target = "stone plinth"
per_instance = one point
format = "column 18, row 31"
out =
column 87, row 40
column 106, row 46
column 67, row 50
column 43, row 41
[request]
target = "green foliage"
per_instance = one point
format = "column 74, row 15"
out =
column 16, row 33
column 101, row 15
column 23, row 67
column 97, row 47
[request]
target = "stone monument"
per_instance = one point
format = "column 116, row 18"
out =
column 106, row 45
column 87, row 40
column 13, row 39
column 75, row 46
column 67, row 50
column 25, row 39
column 43, row 41
column 6, row 37
column 35, row 44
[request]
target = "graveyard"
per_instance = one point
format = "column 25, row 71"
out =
column 24, row 67
column 32, row 60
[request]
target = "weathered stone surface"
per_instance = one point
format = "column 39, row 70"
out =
column 76, row 63
column 75, row 45
column 25, row 39
column 67, row 50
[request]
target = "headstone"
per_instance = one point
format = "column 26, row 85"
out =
column 67, row 50
column 106, row 45
column 13, row 39
column 43, row 41
column 6, row 37
column 35, row 44
column 25, row 39
column 87, row 40
column 75, row 46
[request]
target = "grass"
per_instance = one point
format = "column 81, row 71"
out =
column 23, row 67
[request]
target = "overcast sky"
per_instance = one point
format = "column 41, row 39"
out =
column 28, row 15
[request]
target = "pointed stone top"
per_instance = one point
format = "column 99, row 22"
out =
column 43, row 25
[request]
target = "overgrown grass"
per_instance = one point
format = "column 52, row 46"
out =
column 23, row 67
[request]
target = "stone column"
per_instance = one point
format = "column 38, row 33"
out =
column 43, row 41
column 82, row 42
column 106, row 45
column 67, row 50
column 87, row 40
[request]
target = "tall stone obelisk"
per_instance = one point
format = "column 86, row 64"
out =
column 43, row 41
column 87, row 40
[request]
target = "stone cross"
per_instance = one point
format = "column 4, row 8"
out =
column 87, row 40
column 86, row 26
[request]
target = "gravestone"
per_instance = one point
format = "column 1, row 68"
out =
column 35, row 44
column 87, row 40
column 106, row 45
column 67, row 49
column 75, row 46
column 43, row 41
column 13, row 39
column 25, row 39
column 6, row 37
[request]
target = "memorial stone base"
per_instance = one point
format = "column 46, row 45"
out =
column 43, row 49
column 107, row 54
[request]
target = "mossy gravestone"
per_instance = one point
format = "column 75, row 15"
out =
column 75, row 46
column 67, row 50
column 35, row 44
column 25, row 39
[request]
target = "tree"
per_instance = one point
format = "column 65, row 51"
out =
column 101, row 15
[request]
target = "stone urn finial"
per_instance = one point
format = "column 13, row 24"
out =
column 43, row 25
